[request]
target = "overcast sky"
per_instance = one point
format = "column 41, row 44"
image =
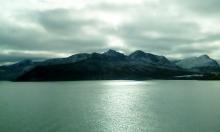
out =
column 39, row 29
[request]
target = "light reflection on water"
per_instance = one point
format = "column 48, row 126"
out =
column 120, row 105
column 126, row 83
column 110, row 106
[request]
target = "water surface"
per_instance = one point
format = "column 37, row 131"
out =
column 110, row 106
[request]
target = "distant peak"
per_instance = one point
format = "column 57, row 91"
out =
column 138, row 52
column 204, row 56
column 111, row 52
column 78, row 54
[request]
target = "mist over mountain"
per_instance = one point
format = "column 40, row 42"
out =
column 10, row 72
column 111, row 65
column 202, row 63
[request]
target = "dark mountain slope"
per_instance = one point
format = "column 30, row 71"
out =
column 112, row 65
column 99, row 67
column 13, row 71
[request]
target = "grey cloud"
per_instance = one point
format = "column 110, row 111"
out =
column 210, row 38
column 61, row 21
column 208, row 7
column 186, row 49
column 14, row 57
column 68, row 33
column 166, row 34
column 162, row 28
column 19, row 38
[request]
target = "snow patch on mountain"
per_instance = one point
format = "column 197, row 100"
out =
column 113, row 53
column 197, row 62
column 150, row 59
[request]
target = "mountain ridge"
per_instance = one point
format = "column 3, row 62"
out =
column 112, row 65
column 198, row 63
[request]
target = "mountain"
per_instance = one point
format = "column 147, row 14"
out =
column 109, row 65
column 202, row 64
column 112, row 65
column 151, row 59
column 113, row 54
column 13, row 71
column 99, row 67
column 70, row 59
column 81, row 56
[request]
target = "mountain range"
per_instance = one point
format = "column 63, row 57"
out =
column 112, row 65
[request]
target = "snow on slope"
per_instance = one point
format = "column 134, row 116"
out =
column 194, row 62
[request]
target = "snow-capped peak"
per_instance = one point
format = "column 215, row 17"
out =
column 113, row 53
column 196, row 62
column 150, row 58
column 204, row 57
